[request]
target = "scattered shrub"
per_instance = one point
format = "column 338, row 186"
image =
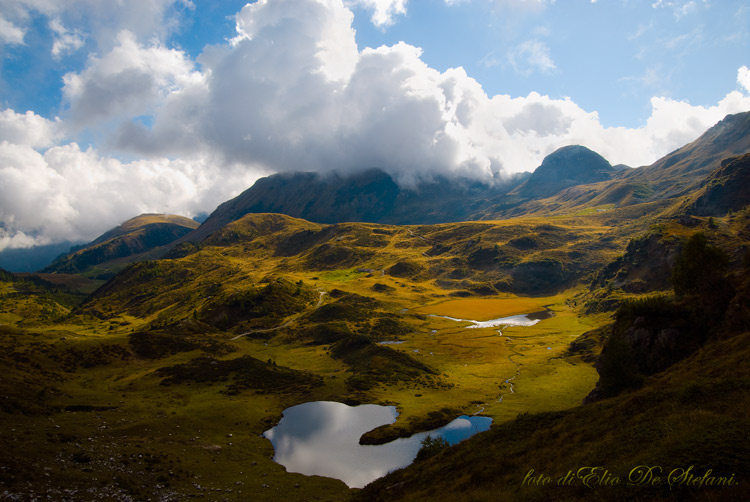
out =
column 431, row 446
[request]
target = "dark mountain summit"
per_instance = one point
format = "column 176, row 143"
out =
column 568, row 166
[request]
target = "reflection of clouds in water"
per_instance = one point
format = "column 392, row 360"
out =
column 301, row 423
column 459, row 423
column 329, row 419
column 514, row 320
column 459, row 429
column 322, row 438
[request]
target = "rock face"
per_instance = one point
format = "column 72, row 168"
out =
column 725, row 189
column 657, row 345
column 646, row 265
column 566, row 167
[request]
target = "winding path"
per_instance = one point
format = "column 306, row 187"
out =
column 285, row 323
column 428, row 241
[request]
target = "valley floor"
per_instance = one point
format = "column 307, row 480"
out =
column 85, row 419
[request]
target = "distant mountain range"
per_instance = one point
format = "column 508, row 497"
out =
column 373, row 196
column 571, row 178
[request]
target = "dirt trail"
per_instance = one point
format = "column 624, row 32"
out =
column 285, row 323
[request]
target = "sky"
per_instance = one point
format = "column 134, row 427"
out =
column 112, row 109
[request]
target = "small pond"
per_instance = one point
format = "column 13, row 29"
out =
column 514, row 320
column 322, row 438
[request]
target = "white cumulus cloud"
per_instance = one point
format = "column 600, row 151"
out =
column 743, row 78
column 130, row 80
column 383, row 11
column 97, row 19
column 66, row 41
column 66, row 193
column 28, row 129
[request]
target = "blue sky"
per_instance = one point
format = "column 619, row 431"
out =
column 609, row 56
column 110, row 109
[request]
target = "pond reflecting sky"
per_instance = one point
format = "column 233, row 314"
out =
column 514, row 320
column 322, row 438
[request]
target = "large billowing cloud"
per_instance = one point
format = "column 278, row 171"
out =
column 130, row 80
column 290, row 90
column 293, row 92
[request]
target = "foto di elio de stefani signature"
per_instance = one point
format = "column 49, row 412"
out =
column 642, row 475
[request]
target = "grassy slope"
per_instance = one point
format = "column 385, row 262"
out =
column 694, row 413
column 681, row 418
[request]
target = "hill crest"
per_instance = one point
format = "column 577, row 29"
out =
column 139, row 238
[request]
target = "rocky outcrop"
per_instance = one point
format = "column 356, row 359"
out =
column 725, row 189
column 649, row 336
column 646, row 265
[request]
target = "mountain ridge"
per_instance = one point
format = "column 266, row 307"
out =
column 367, row 196
column 571, row 176
column 142, row 237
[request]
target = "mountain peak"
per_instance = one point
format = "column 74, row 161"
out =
column 565, row 167
column 143, row 220
column 130, row 241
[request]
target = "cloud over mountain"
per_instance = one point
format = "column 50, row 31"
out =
column 293, row 91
